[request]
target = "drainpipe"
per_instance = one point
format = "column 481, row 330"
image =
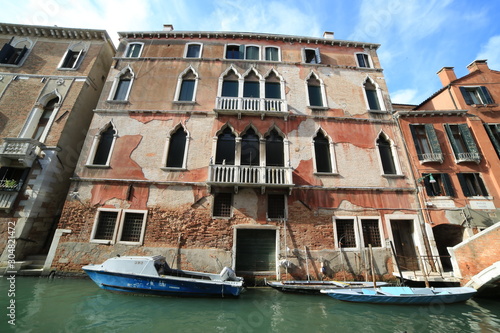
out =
column 451, row 96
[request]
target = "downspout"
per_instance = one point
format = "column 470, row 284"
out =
column 451, row 96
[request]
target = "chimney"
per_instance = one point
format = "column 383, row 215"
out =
column 478, row 65
column 446, row 75
column 168, row 27
column 328, row 35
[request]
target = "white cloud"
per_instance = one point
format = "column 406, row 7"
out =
column 491, row 52
column 405, row 96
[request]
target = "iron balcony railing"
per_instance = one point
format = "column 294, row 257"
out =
column 250, row 175
column 431, row 157
column 251, row 104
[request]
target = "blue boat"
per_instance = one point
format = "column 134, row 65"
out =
column 403, row 295
column 151, row 275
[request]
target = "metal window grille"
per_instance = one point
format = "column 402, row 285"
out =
column 345, row 233
column 132, row 227
column 276, row 206
column 371, row 233
column 222, row 205
column 106, row 225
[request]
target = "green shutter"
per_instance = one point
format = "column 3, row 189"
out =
column 433, row 139
column 415, row 140
column 465, row 94
column 468, row 139
column 493, row 137
column 242, row 52
column 487, row 97
column 452, row 139
column 448, row 187
column 463, row 184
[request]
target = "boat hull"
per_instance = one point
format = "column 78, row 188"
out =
column 418, row 296
column 315, row 287
column 164, row 285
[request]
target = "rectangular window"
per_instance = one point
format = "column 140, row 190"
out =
column 252, row 53
column 134, row 50
column 494, row 134
column 346, row 236
column 372, row 97
column 128, row 224
column 315, row 98
column 472, row 185
column 312, row 56
column 363, row 60
column 122, row 90
column 222, row 205
column 193, row 51
column 273, row 90
column 463, row 144
column 426, row 143
column 235, row 51
column 230, row 88
column 71, row 60
column 476, row 95
column 438, row 184
column 11, row 55
column 12, row 179
column 275, row 206
column 371, row 232
column 272, row 53
column 251, row 89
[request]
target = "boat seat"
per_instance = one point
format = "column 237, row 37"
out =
column 397, row 290
column 369, row 292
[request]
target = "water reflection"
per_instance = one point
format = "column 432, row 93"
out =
column 73, row 305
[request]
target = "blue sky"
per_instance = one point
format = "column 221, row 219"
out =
column 417, row 37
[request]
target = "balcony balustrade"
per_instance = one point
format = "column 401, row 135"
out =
column 245, row 175
column 247, row 105
column 22, row 150
column 468, row 157
column 430, row 157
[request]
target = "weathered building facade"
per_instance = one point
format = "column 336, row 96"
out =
column 453, row 141
column 276, row 155
column 50, row 81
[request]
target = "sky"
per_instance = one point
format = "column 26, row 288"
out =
column 417, row 37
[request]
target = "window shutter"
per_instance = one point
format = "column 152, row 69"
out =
column 318, row 56
column 415, row 139
column 452, row 139
column 487, row 96
column 463, row 184
column 468, row 139
column 480, row 182
column 242, row 52
column 466, row 95
column 493, row 138
column 428, row 186
column 433, row 139
column 21, row 55
column 448, row 187
column 77, row 60
column 5, row 53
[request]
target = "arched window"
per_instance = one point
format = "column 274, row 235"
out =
column 251, row 86
column 186, row 86
column 315, row 91
column 103, row 144
column 273, row 86
column 373, row 97
column 250, row 152
column 322, row 153
column 385, row 150
column 176, row 155
column 226, row 147
column 73, row 56
column 274, row 149
column 122, row 85
column 48, row 110
column 230, row 85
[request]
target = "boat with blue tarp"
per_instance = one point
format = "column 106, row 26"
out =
column 402, row 295
column 151, row 275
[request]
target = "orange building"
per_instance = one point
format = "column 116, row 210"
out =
column 453, row 141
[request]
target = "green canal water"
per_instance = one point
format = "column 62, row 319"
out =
column 78, row 305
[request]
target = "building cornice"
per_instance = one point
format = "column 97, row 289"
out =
column 430, row 113
column 243, row 35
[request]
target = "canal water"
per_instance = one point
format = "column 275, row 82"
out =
column 78, row 305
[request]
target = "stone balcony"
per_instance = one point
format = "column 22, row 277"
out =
column 251, row 106
column 18, row 152
column 430, row 157
column 468, row 157
column 250, row 176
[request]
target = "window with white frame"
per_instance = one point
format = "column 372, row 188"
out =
column 44, row 120
column 14, row 52
column 363, row 60
column 272, row 53
column 354, row 232
column 387, row 153
column 73, row 56
column 324, row 154
column 122, row 85
column 177, row 146
column 102, row 147
column 119, row 226
column 476, row 95
column 373, row 95
column 193, row 50
column 315, row 91
column 186, row 85
column 248, row 52
column 311, row 56
column 134, row 50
